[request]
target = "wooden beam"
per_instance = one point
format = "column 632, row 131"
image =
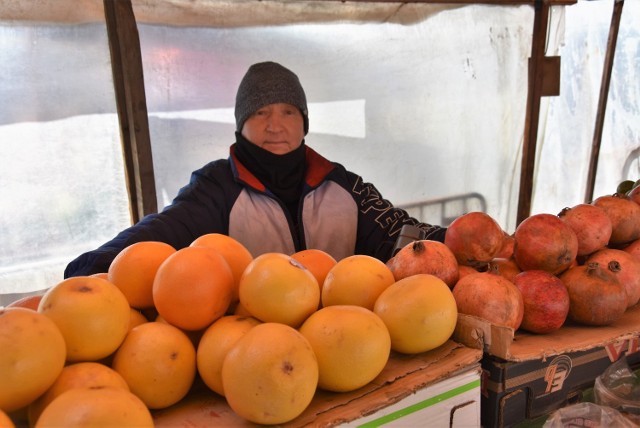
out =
column 602, row 102
column 534, row 94
column 128, row 81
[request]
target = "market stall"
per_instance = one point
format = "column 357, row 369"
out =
column 484, row 99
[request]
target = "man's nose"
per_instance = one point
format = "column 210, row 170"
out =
column 274, row 122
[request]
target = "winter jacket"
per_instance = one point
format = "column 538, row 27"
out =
column 338, row 213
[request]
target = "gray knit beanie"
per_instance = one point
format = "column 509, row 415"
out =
column 268, row 83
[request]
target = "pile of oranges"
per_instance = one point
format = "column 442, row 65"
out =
column 263, row 332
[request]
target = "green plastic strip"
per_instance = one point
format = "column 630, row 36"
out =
column 421, row 405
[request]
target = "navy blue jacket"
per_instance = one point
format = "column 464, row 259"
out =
column 338, row 213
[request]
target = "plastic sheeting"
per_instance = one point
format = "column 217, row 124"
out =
column 428, row 103
column 424, row 111
column 428, row 111
column 221, row 13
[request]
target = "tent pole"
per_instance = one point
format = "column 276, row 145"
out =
column 602, row 102
column 128, row 81
column 534, row 94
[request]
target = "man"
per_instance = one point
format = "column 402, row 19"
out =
column 273, row 193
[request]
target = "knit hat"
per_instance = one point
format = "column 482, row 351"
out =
column 268, row 83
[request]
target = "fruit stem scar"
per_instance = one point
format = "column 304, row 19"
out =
column 287, row 367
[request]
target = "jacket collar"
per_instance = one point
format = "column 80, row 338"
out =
column 318, row 167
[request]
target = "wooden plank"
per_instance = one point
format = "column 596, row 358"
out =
column 602, row 102
column 126, row 60
column 534, row 94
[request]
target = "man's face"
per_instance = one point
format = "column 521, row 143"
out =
column 278, row 128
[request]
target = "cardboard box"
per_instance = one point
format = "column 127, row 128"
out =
column 452, row 402
column 435, row 388
column 526, row 376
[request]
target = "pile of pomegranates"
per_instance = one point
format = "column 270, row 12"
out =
column 581, row 265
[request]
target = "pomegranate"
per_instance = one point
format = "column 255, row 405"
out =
column 633, row 249
column 591, row 224
column 596, row 297
column 425, row 256
column 546, row 301
column 465, row 270
column 624, row 215
column 504, row 267
column 490, row 297
column 625, row 267
column 634, row 194
column 474, row 238
column 506, row 251
column 545, row 242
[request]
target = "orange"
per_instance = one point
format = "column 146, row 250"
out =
column 270, row 375
column 158, row 361
column 29, row 302
column 351, row 343
column 92, row 314
column 31, row 358
column 236, row 254
column 277, row 288
column 193, row 288
column 317, row 261
column 356, row 280
column 91, row 407
column 193, row 335
column 136, row 318
column 420, row 313
column 214, row 345
column 240, row 310
column 134, row 269
column 79, row 375
column 5, row 420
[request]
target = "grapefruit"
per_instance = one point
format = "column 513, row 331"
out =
column 33, row 355
column 5, row 420
column 214, row 345
column 91, row 313
column 236, row 254
column 278, row 288
column 134, row 269
column 96, row 407
column 317, row 261
column 419, row 311
column 136, row 318
column 193, row 287
column 87, row 374
column 158, row 362
column 29, row 302
column 356, row 280
column 352, row 345
column 271, row 374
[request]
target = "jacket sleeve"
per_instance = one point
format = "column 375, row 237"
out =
column 379, row 222
column 200, row 208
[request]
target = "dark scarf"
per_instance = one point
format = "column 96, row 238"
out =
column 281, row 174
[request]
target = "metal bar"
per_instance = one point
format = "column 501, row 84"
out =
column 602, row 102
